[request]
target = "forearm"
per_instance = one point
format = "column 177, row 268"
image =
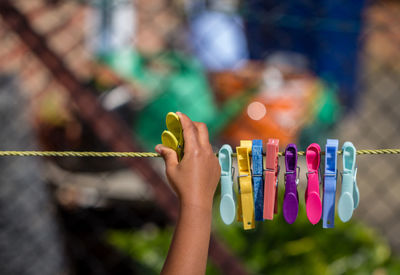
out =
column 194, row 179
column 189, row 248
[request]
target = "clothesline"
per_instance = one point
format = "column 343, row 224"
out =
column 151, row 154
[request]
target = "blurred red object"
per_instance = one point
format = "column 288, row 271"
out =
column 227, row 84
column 279, row 110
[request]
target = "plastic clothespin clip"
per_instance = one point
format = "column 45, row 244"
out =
column 245, row 193
column 330, row 177
column 350, row 195
column 227, row 205
column 271, row 179
column 313, row 199
column 257, row 176
column 291, row 198
column 173, row 136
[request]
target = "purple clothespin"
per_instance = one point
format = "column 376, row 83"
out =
column 291, row 198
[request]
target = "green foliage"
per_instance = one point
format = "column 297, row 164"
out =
column 148, row 246
column 276, row 247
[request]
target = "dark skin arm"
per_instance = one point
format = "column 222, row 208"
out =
column 194, row 179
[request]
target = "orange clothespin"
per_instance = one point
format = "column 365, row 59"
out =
column 245, row 193
column 271, row 179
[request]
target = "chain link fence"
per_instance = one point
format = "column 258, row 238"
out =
column 66, row 207
column 374, row 123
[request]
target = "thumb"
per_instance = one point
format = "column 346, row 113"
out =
column 170, row 157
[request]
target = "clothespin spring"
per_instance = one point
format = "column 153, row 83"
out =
column 297, row 176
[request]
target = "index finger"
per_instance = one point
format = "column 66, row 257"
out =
column 189, row 132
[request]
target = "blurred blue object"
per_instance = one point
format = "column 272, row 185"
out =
column 326, row 32
column 218, row 40
column 111, row 25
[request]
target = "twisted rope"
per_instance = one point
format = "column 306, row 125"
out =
column 150, row 154
column 78, row 154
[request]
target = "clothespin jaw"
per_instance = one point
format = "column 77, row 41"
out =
column 313, row 199
column 291, row 198
column 227, row 205
column 330, row 178
column 173, row 136
column 350, row 196
column 271, row 179
column 245, row 192
column 257, row 176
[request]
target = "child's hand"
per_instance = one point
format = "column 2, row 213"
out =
column 195, row 178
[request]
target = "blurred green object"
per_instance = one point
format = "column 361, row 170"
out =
column 276, row 247
column 173, row 82
column 148, row 246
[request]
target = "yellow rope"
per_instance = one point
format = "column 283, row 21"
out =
column 359, row 152
column 78, row 154
column 152, row 155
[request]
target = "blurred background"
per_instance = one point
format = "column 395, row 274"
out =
column 102, row 74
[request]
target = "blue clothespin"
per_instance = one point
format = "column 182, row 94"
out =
column 227, row 207
column 257, row 176
column 350, row 194
column 330, row 177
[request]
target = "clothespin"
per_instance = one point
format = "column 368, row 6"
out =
column 328, row 204
column 173, row 136
column 350, row 194
column 245, row 194
column 271, row 179
column 257, row 176
column 227, row 206
column 313, row 199
column 291, row 198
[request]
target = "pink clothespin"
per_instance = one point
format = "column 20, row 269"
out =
column 313, row 199
column 271, row 179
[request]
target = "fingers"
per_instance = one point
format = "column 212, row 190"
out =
column 170, row 157
column 203, row 134
column 195, row 134
column 190, row 132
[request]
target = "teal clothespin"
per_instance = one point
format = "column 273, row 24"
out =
column 227, row 207
column 350, row 195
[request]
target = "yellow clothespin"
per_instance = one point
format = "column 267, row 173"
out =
column 173, row 136
column 245, row 193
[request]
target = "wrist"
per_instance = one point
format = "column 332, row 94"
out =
column 203, row 205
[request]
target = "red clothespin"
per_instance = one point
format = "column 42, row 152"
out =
column 313, row 198
column 271, row 179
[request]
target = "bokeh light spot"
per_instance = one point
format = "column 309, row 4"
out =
column 256, row 110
